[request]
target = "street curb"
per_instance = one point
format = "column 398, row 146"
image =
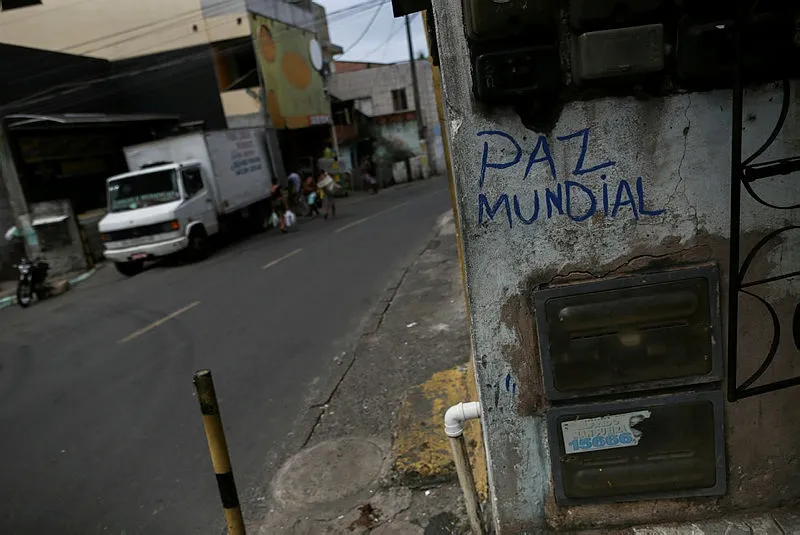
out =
column 81, row 278
column 368, row 326
column 6, row 302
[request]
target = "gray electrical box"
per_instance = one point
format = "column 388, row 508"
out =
column 630, row 334
column 619, row 52
column 656, row 447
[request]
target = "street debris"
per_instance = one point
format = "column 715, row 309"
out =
column 367, row 518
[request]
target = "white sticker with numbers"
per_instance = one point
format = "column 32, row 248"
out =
column 603, row 432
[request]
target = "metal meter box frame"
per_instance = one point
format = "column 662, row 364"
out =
column 656, row 447
column 630, row 334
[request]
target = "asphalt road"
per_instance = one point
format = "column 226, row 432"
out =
column 101, row 432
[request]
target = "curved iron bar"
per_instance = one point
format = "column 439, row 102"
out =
column 757, row 247
column 785, row 104
column 773, row 348
column 758, row 199
column 739, row 178
column 796, row 327
column 787, row 101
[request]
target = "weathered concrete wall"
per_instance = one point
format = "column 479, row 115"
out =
column 665, row 164
column 8, row 251
column 60, row 242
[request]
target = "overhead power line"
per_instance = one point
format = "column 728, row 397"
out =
column 367, row 28
column 334, row 15
column 43, row 12
column 393, row 32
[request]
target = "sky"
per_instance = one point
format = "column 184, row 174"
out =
column 385, row 40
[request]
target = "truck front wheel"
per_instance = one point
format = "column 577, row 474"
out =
column 198, row 244
column 129, row 269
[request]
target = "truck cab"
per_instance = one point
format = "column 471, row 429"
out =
column 158, row 210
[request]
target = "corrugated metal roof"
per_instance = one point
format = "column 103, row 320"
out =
column 23, row 119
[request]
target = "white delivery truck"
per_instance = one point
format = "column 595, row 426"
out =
column 182, row 190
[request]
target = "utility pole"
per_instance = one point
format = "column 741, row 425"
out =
column 417, row 105
column 414, row 81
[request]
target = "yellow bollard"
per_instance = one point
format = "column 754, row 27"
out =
column 218, row 447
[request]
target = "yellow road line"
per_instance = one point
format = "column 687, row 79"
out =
column 281, row 259
column 363, row 219
column 159, row 322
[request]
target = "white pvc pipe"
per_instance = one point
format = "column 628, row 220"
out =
column 456, row 415
column 454, row 420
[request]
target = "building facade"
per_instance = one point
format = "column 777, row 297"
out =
column 203, row 36
column 384, row 93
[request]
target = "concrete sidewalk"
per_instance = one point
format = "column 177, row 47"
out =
column 377, row 459
column 780, row 522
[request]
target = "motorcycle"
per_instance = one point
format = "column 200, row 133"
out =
column 32, row 281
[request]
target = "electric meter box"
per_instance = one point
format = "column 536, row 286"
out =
column 657, row 447
column 499, row 75
column 501, row 19
column 586, row 14
column 619, row 52
column 630, row 334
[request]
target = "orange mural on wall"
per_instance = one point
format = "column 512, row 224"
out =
column 295, row 95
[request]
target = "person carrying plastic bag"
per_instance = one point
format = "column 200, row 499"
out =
column 329, row 187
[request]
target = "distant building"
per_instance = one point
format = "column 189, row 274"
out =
column 211, row 37
column 383, row 93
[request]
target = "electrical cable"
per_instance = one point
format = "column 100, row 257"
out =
column 160, row 27
column 216, row 6
column 392, row 33
column 366, row 29
column 41, row 12
column 339, row 14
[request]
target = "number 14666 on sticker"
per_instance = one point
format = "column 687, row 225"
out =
column 603, row 432
column 600, row 442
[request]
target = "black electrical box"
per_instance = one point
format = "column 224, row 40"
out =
column 657, row 447
column 491, row 20
column 597, row 14
column 705, row 51
column 630, row 334
column 516, row 72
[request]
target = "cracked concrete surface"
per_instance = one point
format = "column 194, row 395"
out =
column 781, row 522
column 680, row 147
column 418, row 330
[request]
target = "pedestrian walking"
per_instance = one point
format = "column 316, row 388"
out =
column 312, row 195
column 328, row 187
column 368, row 172
column 279, row 208
column 294, row 183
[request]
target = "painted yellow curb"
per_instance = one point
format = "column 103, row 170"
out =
column 422, row 448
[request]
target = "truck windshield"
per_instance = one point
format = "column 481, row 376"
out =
column 141, row 191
